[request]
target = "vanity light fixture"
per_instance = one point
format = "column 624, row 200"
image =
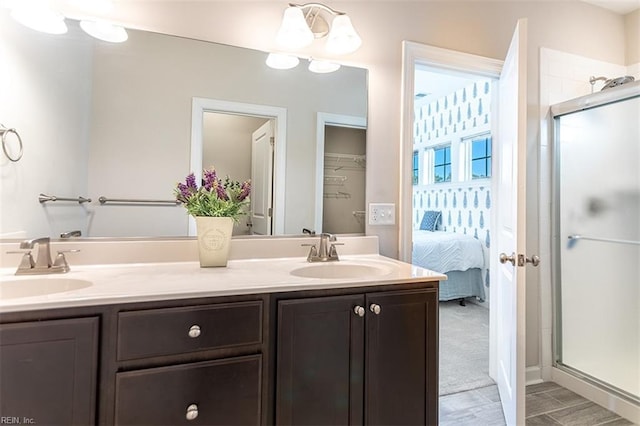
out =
column 322, row 67
column 282, row 61
column 37, row 15
column 104, row 31
column 301, row 24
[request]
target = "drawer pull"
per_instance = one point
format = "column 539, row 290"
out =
column 359, row 311
column 194, row 332
column 192, row 412
column 375, row 308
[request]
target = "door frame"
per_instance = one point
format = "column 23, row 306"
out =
column 416, row 53
column 454, row 61
column 337, row 120
column 201, row 105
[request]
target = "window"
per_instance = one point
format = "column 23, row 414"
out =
column 416, row 160
column 442, row 164
column 481, row 158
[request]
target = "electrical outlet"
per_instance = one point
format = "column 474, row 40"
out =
column 382, row 214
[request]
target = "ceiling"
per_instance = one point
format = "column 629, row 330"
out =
column 619, row 6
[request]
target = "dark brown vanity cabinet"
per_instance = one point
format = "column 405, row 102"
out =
column 190, row 365
column 367, row 358
column 48, row 372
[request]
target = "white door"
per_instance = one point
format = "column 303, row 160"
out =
column 508, row 279
column 262, row 179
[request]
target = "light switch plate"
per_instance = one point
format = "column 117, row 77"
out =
column 382, row 214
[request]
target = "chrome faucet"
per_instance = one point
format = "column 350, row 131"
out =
column 42, row 264
column 70, row 234
column 43, row 260
column 326, row 251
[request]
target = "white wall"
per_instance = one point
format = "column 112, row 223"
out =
column 55, row 152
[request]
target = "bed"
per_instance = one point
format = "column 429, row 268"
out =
column 461, row 257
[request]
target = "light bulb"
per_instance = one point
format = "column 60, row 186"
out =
column 38, row 16
column 343, row 38
column 281, row 61
column 104, row 31
column 323, row 67
column 294, row 32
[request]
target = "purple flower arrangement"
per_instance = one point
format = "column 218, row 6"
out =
column 215, row 197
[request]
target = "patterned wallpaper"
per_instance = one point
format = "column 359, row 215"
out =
column 465, row 206
column 466, row 110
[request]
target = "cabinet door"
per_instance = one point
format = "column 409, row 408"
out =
column 320, row 361
column 402, row 358
column 48, row 372
column 219, row 392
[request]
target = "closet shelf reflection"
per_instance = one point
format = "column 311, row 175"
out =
column 338, row 161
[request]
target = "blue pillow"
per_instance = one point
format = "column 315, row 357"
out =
column 430, row 220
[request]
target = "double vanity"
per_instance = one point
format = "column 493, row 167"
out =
column 270, row 339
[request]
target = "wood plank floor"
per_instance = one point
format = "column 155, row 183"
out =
column 547, row 404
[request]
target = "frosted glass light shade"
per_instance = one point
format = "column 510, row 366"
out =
column 323, row 67
column 294, row 32
column 39, row 17
column 343, row 38
column 104, row 31
column 280, row 61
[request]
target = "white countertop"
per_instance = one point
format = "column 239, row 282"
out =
column 123, row 283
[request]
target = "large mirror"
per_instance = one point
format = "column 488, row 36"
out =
column 117, row 121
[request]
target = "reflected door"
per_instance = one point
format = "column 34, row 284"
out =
column 262, row 144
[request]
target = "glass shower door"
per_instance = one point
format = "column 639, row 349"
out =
column 598, row 251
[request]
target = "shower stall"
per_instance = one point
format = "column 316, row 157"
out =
column 596, row 239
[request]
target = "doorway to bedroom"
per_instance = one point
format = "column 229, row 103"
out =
column 451, row 214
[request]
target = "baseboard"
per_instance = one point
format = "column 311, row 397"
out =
column 621, row 407
column 533, row 375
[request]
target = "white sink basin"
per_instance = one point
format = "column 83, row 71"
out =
column 335, row 270
column 30, row 287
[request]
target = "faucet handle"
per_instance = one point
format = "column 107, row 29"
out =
column 61, row 260
column 27, row 261
column 313, row 251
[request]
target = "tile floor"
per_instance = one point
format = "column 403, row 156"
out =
column 547, row 404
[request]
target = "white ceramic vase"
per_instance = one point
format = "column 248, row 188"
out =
column 214, row 240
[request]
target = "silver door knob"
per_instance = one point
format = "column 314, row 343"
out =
column 192, row 412
column 504, row 258
column 359, row 311
column 375, row 308
column 194, row 331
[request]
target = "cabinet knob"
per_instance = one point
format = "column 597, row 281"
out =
column 192, row 412
column 359, row 311
column 194, row 332
column 375, row 308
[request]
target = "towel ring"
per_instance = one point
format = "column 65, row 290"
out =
column 4, row 132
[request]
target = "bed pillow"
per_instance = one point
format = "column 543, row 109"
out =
column 430, row 220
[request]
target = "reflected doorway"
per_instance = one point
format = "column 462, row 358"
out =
column 340, row 173
column 343, row 207
column 226, row 141
column 241, row 146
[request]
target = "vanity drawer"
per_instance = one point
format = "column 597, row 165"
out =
column 172, row 331
column 220, row 392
